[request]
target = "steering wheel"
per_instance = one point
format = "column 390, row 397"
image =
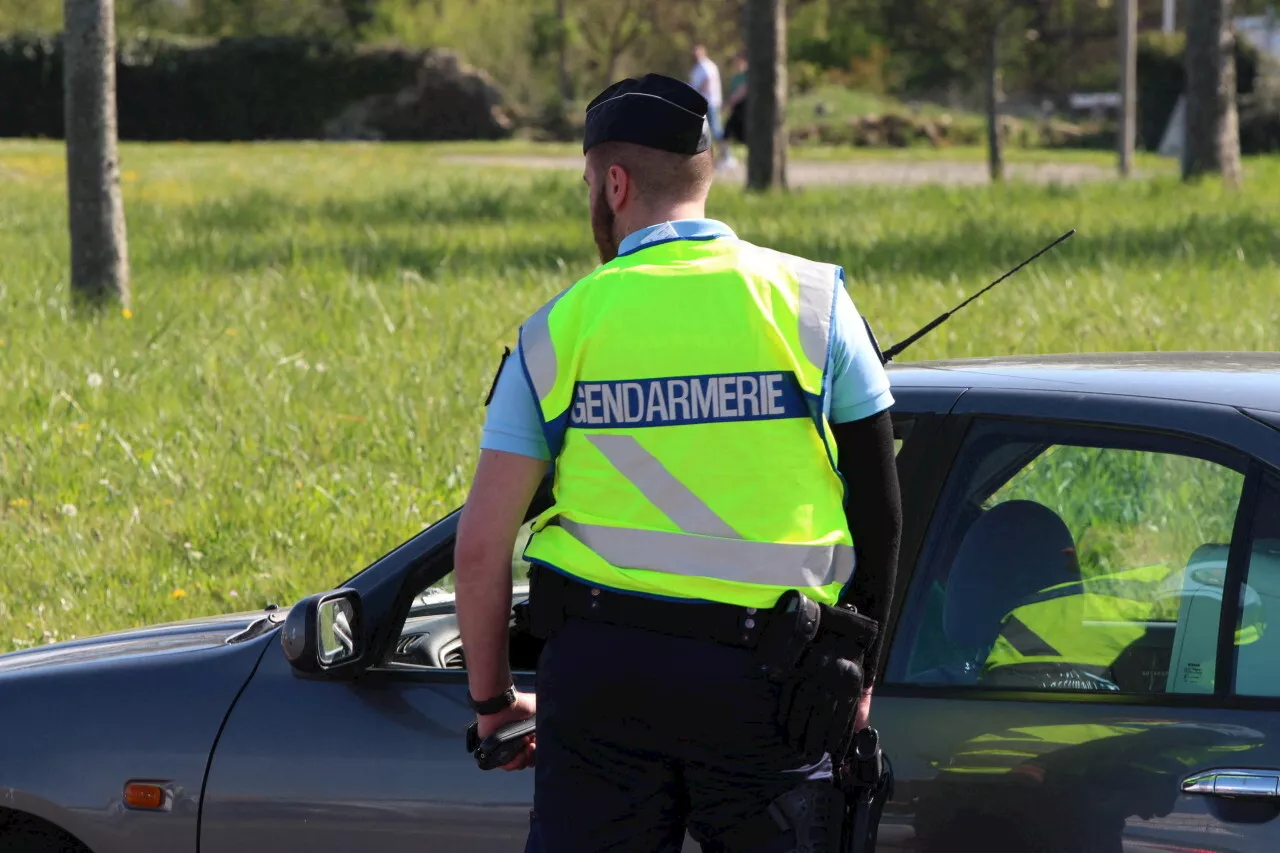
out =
column 1048, row 675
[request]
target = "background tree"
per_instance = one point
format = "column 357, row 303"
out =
column 99, row 249
column 1212, row 139
column 564, row 82
column 1128, row 13
column 718, row 24
column 989, row 23
column 995, row 17
column 607, row 31
column 766, row 25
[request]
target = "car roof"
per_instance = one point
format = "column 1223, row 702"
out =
column 1248, row 380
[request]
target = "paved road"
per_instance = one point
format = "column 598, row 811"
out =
column 859, row 172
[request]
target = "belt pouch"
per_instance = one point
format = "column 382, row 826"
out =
column 791, row 629
column 845, row 632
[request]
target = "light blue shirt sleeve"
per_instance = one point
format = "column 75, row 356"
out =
column 857, row 384
column 512, row 423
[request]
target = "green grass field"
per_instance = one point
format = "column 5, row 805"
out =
column 315, row 327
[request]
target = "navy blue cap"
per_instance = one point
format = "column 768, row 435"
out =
column 655, row 111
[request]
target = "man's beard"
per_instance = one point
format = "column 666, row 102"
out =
column 602, row 223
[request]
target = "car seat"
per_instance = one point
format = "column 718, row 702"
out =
column 1193, row 656
column 1013, row 551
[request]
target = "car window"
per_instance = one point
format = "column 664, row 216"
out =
column 430, row 638
column 1258, row 642
column 1060, row 563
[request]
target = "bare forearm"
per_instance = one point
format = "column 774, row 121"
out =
column 483, row 587
column 503, row 486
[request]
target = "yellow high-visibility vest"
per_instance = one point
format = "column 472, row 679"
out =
column 681, row 393
column 1091, row 622
column 1054, row 627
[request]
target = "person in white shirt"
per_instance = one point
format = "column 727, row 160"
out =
column 705, row 77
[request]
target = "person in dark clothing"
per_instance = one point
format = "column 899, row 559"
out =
column 736, row 102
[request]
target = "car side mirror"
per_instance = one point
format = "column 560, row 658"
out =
column 324, row 634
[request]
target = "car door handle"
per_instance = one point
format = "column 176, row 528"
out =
column 1234, row 782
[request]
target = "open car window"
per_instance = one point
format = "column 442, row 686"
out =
column 1071, row 560
column 430, row 639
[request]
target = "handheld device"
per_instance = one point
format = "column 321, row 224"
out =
column 501, row 746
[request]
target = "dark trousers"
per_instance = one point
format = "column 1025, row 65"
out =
column 642, row 736
column 736, row 127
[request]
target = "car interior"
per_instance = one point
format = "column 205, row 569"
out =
column 431, row 638
column 1257, row 648
column 987, row 559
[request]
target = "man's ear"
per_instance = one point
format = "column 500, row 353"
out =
column 618, row 187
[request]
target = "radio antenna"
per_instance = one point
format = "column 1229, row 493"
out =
column 897, row 348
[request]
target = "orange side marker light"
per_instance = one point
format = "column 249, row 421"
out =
column 141, row 795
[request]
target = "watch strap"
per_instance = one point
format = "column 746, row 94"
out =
column 493, row 705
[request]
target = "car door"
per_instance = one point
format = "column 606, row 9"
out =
column 373, row 763
column 1082, row 659
column 378, row 762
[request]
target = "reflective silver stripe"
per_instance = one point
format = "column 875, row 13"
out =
column 735, row 560
column 676, row 500
column 817, row 299
column 538, row 351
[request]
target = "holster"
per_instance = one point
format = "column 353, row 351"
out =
column 815, row 652
column 792, row 628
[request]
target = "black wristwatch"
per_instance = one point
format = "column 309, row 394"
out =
column 501, row 702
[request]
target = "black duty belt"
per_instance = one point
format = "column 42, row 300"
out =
column 554, row 596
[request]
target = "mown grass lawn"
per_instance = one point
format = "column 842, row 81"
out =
column 315, row 328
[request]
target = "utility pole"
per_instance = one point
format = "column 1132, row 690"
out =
column 1128, row 82
column 99, row 249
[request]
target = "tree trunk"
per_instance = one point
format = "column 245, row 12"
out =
column 562, row 54
column 99, row 250
column 1128, row 82
column 1212, row 138
column 995, row 142
column 767, row 117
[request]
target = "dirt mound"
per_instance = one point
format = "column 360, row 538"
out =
column 448, row 100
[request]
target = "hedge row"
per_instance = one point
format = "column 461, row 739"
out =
column 231, row 89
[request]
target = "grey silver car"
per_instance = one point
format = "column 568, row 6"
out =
column 1081, row 654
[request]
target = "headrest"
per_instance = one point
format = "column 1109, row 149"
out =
column 1013, row 550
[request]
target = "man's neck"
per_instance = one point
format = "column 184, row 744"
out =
column 666, row 214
